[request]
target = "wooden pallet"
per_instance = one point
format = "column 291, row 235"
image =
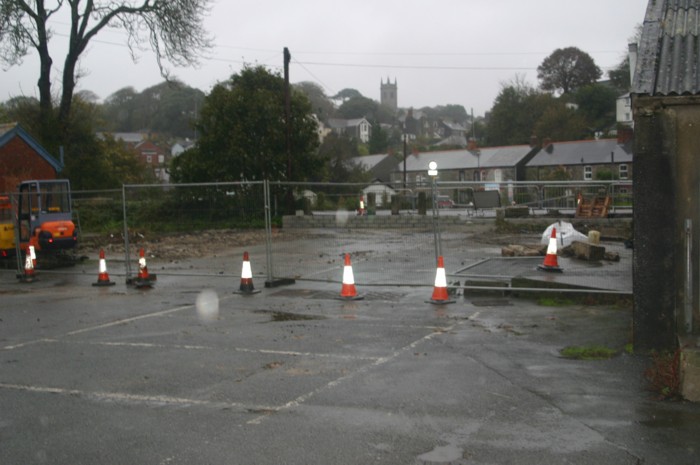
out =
column 593, row 207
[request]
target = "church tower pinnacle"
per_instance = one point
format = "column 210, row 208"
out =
column 389, row 94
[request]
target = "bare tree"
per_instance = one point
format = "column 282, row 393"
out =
column 172, row 28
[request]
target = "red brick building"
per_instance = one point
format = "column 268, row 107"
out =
column 155, row 157
column 22, row 158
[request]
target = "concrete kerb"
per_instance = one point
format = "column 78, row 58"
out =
column 610, row 228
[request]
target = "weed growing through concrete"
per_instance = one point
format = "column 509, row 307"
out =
column 664, row 375
column 588, row 352
column 554, row 301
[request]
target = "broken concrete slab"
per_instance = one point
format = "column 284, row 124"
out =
column 587, row 251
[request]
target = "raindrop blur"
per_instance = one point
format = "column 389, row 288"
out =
column 207, row 305
column 341, row 217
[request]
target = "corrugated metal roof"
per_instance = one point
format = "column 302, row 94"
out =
column 669, row 52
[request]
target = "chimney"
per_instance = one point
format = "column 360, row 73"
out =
column 533, row 141
column 546, row 142
column 472, row 145
column 632, row 50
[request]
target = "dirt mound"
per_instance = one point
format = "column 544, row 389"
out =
column 176, row 246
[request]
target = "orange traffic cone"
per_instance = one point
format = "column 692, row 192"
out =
column 361, row 210
column 550, row 260
column 348, row 291
column 29, row 275
column 440, row 290
column 144, row 279
column 246, row 277
column 103, row 276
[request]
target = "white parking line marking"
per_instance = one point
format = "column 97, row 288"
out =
column 24, row 344
column 378, row 362
column 148, row 345
column 168, row 400
column 112, row 323
column 129, row 320
column 136, row 399
column 104, row 325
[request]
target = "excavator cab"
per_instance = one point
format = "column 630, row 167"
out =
column 44, row 215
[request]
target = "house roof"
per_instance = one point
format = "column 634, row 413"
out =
column 345, row 123
column 128, row 137
column 367, row 162
column 488, row 157
column 668, row 62
column 452, row 125
column 453, row 140
column 585, row 152
column 10, row 130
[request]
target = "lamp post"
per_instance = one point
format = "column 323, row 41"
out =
column 433, row 173
column 404, row 159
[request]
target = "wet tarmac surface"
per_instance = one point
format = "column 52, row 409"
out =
column 292, row 375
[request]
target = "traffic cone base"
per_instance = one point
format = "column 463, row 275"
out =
column 29, row 275
column 144, row 278
column 102, row 275
column 246, row 287
column 440, row 295
column 348, row 291
column 545, row 267
column 550, row 260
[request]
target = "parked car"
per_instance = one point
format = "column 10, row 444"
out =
column 444, row 201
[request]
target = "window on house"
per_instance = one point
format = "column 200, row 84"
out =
column 623, row 172
column 149, row 159
column 587, row 173
column 462, row 176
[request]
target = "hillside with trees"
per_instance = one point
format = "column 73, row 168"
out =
column 570, row 103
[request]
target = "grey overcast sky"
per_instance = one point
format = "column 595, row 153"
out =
column 439, row 52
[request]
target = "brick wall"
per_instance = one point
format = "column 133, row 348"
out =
column 19, row 162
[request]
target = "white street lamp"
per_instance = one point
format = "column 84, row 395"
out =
column 432, row 169
column 433, row 172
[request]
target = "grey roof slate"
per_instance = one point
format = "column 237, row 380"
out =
column 487, row 157
column 337, row 123
column 668, row 60
column 367, row 162
column 586, row 152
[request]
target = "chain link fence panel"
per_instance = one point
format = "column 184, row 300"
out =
column 490, row 234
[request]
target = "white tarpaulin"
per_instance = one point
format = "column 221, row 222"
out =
column 566, row 234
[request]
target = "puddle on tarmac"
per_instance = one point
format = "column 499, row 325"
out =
column 449, row 454
column 288, row 316
column 670, row 419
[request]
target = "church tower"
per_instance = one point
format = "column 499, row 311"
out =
column 389, row 95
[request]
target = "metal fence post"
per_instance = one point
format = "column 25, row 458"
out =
column 14, row 202
column 268, row 230
column 127, row 265
column 688, row 310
